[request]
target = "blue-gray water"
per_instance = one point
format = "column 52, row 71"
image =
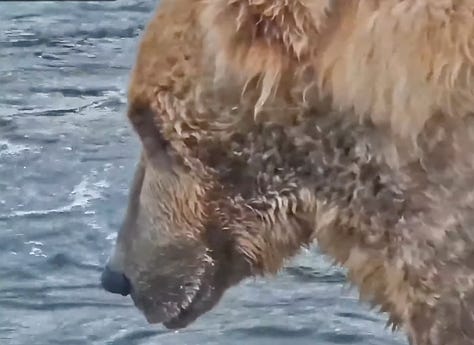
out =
column 66, row 158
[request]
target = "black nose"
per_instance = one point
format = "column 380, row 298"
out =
column 115, row 282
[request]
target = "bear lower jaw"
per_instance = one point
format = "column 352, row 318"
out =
column 204, row 300
column 179, row 321
column 171, row 320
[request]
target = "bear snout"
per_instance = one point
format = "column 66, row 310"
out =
column 115, row 282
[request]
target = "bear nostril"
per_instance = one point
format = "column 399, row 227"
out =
column 115, row 282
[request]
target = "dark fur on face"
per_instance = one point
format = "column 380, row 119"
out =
column 254, row 151
column 171, row 247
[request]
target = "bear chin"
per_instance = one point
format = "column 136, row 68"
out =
column 203, row 292
column 204, row 300
column 182, row 315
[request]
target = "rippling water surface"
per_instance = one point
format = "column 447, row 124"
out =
column 66, row 159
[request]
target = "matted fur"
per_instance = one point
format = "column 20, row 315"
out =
column 337, row 86
column 263, row 38
column 396, row 62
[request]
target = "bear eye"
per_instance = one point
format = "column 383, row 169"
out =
column 155, row 146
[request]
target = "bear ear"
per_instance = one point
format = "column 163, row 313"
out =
column 262, row 37
column 155, row 146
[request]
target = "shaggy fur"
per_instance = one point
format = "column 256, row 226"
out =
column 345, row 123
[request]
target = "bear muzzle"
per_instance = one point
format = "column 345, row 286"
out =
column 115, row 282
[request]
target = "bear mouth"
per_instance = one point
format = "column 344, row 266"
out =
column 175, row 315
column 189, row 312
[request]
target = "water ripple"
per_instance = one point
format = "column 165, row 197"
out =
column 22, row 305
column 308, row 274
column 44, row 289
column 135, row 337
column 277, row 332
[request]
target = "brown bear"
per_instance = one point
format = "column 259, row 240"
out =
column 270, row 125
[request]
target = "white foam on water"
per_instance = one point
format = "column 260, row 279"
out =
column 85, row 192
column 36, row 243
column 36, row 249
column 82, row 194
column 112, row 237
column 9, row 149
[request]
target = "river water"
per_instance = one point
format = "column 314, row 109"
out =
column 67, row 154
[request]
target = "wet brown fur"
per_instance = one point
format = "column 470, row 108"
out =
column 345, row 123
